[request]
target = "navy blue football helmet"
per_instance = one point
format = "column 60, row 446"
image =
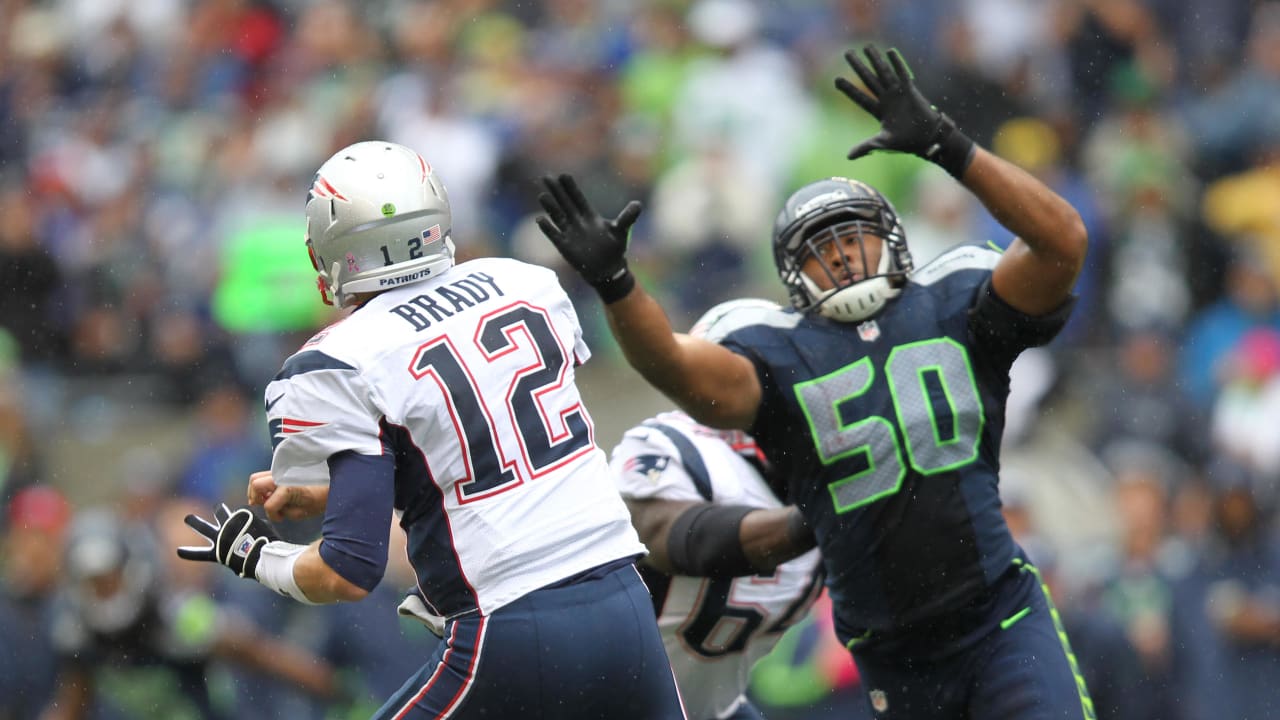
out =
column 821, row 212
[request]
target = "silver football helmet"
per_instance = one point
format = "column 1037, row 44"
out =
column 377, row 218
column 820, row 213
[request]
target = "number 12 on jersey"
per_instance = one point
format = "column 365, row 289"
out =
column 937, row 410
column 525, row 330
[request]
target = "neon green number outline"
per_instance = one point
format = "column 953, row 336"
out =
column 965, row 393
column 821, row 397
column 859, row 438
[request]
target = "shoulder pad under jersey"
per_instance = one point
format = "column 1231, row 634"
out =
column 965, row 257
column 721, row 320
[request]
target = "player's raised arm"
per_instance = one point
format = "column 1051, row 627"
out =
column 1036, row 274
column 714, row 385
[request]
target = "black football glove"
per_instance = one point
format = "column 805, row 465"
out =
column 236, row 540
column 908, row 122
column 592, row 245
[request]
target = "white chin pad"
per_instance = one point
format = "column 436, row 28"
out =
column 859, row 301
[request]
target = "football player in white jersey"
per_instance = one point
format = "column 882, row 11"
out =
column 730, row 568
column 723, row 611
column 448, row 394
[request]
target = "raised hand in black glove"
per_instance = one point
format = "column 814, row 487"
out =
column 595, row 246
column 236, row 539
column 908, row 122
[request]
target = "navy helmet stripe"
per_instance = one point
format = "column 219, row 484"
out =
column 310, row 361
column 689, row 457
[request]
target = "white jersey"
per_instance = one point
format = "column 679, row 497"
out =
column 714, row 630
column 469, row 379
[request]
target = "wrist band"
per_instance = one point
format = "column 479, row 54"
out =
column 952, row 150
column 616, row 287
column 275, row 569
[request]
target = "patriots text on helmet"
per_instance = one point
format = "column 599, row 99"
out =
column 403, row 279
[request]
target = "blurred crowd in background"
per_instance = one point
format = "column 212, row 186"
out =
column 155, row 156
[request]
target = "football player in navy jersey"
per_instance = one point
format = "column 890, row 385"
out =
column 880, row 396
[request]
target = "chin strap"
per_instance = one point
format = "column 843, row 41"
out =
column 323, row 287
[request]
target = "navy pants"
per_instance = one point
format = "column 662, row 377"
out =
column 587, row 650
column 1011, row 661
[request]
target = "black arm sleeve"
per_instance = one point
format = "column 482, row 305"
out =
column 705, row 542
column 1001, row 328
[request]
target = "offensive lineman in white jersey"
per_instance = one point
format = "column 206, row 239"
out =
column 449, row 395
column 730, row 568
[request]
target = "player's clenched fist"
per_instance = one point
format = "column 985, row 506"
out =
column 286, row 503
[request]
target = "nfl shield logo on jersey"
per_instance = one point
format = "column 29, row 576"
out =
column 869, row 331
column 879, row 702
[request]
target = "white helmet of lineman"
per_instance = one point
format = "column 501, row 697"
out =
column 377, row 218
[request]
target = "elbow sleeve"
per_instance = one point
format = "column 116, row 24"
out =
column 357, row 521
column 705, row 542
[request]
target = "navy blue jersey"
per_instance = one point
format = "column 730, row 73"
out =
column 887, row 433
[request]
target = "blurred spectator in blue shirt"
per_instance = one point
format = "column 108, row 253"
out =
column 229, row 447
column 1249, row 302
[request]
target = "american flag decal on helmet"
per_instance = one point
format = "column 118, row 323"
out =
column 323, row 189
column 431, row 234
